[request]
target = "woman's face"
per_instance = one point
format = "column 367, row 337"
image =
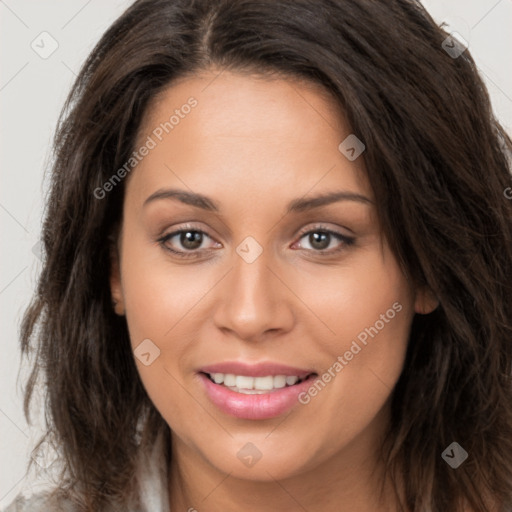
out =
column 268, row 282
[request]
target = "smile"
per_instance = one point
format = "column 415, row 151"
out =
column 254, row 392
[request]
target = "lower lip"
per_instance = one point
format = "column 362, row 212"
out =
column 255, row 407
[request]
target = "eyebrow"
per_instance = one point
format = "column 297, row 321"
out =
column 295, row 206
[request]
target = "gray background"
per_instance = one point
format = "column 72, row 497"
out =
column 32, row 91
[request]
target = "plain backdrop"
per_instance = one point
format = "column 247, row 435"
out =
column 33, row 87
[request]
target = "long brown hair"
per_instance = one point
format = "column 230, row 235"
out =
column 436, row 160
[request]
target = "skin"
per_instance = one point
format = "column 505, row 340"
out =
column 253, row 144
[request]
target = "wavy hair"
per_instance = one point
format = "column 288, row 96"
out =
column 436, row 159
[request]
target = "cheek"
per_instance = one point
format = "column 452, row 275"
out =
column 161, row 312
column 159, row 296
column 347, row 301
column 366, row 311
column 370, row 309
column 166, row 303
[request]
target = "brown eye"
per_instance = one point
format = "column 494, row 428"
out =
column 319, row 240
column 191, row 239
column 325, row 241
column 187, row 242
column 184, row 240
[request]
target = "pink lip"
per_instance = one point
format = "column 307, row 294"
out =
column 256, row 370
column 255, row 407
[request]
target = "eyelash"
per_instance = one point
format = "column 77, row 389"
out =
column 346, row 241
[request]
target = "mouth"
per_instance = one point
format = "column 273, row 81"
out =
column 256, row 385
column 255, row 392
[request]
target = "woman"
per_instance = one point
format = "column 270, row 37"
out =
column 278, row 258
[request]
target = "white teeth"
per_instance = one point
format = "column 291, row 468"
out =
column 229, row 379
column 279, row 381
column 264, row 382
column 253, row 385
column 243, row 382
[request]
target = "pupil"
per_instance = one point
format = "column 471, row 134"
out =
column 319, row 240
column 191, row 239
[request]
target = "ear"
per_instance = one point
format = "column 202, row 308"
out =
column 425, row 301
column 116, row 288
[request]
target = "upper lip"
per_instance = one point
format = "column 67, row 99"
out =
column 261, row 369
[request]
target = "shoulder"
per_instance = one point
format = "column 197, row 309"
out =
column 43, row 502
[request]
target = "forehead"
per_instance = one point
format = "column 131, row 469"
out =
column 262, row 133
column 228, row 95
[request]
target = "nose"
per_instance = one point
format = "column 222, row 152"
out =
column 252, row 302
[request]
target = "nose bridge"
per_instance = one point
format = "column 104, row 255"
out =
column 251, row 277
column 252, row 299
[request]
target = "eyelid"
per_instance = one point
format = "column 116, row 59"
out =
column 323, row 227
